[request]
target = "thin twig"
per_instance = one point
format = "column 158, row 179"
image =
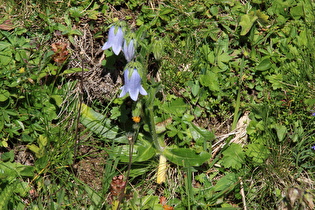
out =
column 131, row 143
column 243, row 194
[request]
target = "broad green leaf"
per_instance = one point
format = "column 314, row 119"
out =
column 142, row 151
column 165, row 11
column 303, row 38
column 9, row 171
column 4, row 45
column 195, row 89
column 199, row 133
column 58, row 99
column 99, row 124
column 27, row 171
column 7, row 156
column 224, row 57
column 50, row 111
column 22, row 188
column 264, row 65
column 6, row 58
column 4, row 95
column 310, row 101
column 297, row 11
column 42, row 141
column 39, row 151
column 281, row 131
column 233, row 156
column 185, row 156
column 247, row 22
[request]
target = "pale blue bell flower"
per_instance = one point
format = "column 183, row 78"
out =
column 132, row 85
column 129, row 50
column 115, row 40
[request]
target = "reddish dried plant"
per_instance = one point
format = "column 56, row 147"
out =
column 61, row 52
column 117, row 187
column 163, row 201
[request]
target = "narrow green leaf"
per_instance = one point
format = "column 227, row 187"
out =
column 225, row 182
column 73, row 70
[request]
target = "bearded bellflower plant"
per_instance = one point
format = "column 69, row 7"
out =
column 132, row 85
column 129, row 49
column 115, row 39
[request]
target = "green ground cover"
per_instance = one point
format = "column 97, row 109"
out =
column 227, row 121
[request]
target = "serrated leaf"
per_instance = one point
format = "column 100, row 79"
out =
column 185, row 156
column 210, row 80
column 177, row 106
column 233, row 156
column 262, row 18
column 258, row 152
column 275, row 80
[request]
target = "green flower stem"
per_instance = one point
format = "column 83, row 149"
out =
column 238, row 99
column 158, row 143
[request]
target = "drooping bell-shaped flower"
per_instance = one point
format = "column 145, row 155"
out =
column 132, row 85
column 129, row 50
column 115, row 39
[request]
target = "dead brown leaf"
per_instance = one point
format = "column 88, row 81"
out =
column 7, row 25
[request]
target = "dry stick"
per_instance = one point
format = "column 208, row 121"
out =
column 243, row 194
column 77, row 137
